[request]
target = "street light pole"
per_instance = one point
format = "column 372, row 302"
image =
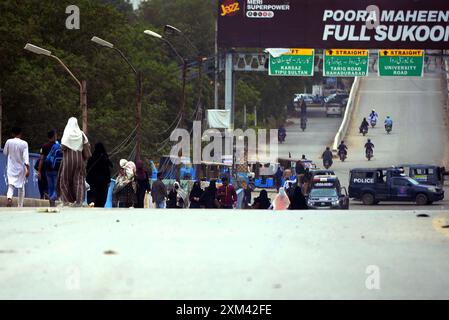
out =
column 184, row 72
column 139, row 92
column 81, row 84
column 200, row 60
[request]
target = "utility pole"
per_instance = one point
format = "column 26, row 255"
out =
column 255, row 116
column 83, row 100
column 139, row 95
column 1, row 117
column 183, row 92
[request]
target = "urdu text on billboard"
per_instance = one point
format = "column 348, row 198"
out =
column 395, row 24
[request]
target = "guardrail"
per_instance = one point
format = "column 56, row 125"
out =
column 341, row 133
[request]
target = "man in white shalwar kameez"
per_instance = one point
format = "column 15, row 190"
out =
column 18, row 166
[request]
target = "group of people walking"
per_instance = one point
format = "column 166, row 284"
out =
column 62, row 165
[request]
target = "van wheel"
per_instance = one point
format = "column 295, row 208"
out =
column 421, row 199
column 368, row 199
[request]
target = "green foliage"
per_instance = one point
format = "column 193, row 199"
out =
column 38, row 94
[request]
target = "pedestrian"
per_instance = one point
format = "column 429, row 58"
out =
column 41, row 166
column 143, row 183
column 297, row 201
column 176, row 197
column 227, row 197
column 124, row 193
column 262, row 201
column 278, row 178
column 195, row 195
column 281, row 201
column 18, row 166
column 44, row 181
column 98, row 176
column 209, row 198
column 71, row 184
column 159, row 192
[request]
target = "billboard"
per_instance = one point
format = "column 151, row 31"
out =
column 353, row 24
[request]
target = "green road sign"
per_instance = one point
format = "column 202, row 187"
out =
column 296, row 63
column 401, row 63
column 346, row 63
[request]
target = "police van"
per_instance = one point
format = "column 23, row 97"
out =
column 327, row 193
column 390, row 184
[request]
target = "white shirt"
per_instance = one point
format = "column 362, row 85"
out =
column 17, row 152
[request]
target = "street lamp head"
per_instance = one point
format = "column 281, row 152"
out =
column 102, row 42
column 38, row 50
column 171, row 28
column 153, row 34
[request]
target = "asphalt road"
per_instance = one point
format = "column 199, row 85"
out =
column 171, row 254
column 312, row 142
column 420, row 133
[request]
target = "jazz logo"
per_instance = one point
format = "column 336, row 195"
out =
column 229, row 8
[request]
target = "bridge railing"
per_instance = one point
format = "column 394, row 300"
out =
column 348, row 114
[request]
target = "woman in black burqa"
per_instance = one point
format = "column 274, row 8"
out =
column 209, row 198
column 195, row 195
column 98, row 175
column 298, row 201
column 143, row 183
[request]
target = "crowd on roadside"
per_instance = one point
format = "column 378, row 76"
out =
column 70, row 172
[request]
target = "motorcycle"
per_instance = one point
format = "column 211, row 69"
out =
column 303, row 123
column 327, row 164
column 388, row 128
column 342, row 155
column 369, row 154
column 364, row 130
column 373, row 122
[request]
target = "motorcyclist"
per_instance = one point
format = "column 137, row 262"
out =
column 388, row 122
column 282, row 133
column 327, row 157
column 364, row 124
column 373, row 116
column 342, row 148
column 369, row 146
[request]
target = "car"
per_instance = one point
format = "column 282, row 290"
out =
column 424, row 173
column 322, row 172
column 373, row 185
column 335, row 104
column 308, row 98
column 327, row 193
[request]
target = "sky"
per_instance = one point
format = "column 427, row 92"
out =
column 135, row 3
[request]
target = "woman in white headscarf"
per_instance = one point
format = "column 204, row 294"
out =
column 281, row 201
column 72, row 172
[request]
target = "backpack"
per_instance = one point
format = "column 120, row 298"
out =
column 54, row 157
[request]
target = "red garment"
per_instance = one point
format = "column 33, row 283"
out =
column 227, row 196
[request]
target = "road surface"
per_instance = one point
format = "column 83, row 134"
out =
column 419, row 135
column 312, row 142
column 198, row 254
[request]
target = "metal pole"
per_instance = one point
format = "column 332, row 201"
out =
column 1, row 117
column 216, row 67
column 255, row 116
column 139, row 94
column 244, row 116
column 183, row 92
column 200, row 89
column 83, row 102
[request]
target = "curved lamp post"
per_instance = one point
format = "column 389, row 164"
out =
column 184, row 70
column 139, row 91
column 81, row 84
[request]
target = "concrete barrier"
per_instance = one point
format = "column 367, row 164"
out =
column 28, row 202
column 348, row 113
